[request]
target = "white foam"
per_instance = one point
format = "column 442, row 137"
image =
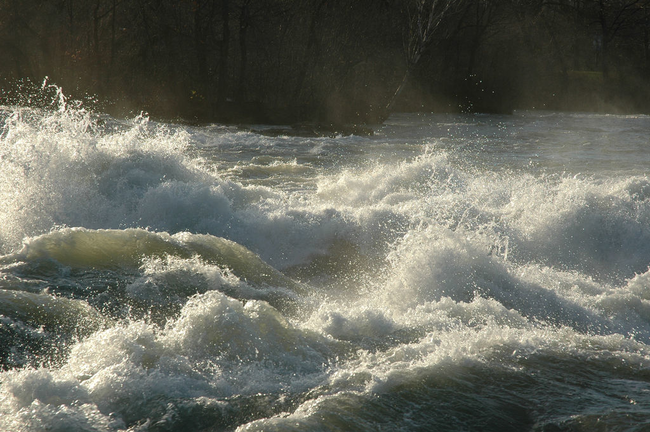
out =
column 216, row 348
column 441, row 260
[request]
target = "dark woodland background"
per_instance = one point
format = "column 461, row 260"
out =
column 333, row 61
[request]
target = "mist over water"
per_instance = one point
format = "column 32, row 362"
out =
column 449, row 272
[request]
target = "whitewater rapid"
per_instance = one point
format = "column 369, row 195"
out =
column 449, row 272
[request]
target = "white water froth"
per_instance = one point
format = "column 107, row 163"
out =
column 216, row 348
column 64, row 169
column 441, row 264
column 68, row 169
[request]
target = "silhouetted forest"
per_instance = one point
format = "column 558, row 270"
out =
column 334, row 61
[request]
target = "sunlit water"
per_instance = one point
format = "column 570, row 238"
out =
column 449, row 272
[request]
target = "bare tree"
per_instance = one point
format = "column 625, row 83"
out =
column 424, row 21
column 615, row 16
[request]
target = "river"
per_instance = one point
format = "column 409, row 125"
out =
column 456, row 272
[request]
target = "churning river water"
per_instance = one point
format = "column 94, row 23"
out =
column 447, row 273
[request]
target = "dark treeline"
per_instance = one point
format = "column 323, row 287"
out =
column 335, row 61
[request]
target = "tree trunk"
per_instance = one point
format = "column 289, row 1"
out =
column 244, row 22
column 222, row 83
column 312, row 50
column 391, row 103
column 200, row 47
column 425, row 17
column 111, row 62
column 605, row 40
column 96, row 51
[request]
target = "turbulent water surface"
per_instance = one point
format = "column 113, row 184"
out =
column 449, row 272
